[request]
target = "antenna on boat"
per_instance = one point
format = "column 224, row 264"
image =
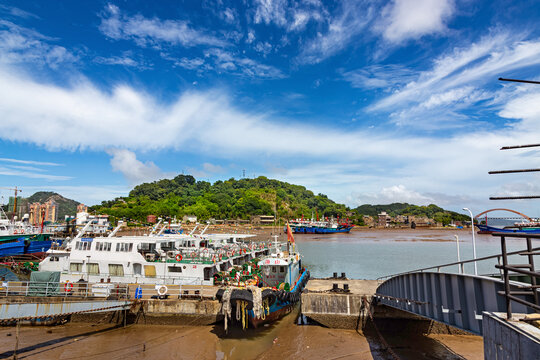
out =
column 120, row 224
column 195, row 228
column 204, row 230
column 83, row 230
column 154, row 228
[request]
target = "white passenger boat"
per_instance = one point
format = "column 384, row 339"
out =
column 153, row 259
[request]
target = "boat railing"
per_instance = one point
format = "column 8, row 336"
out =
column 85, row 290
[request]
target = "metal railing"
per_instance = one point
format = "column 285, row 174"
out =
column 116, row 291
column 64, row 289
column 527, row 269
column 460, row 264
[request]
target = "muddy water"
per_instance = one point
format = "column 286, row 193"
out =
column 283, row 340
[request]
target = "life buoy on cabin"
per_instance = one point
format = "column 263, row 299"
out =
column 68, row 286
column 162, row 290
column 178, row 257
column 15, row 232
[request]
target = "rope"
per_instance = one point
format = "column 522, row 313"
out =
column 381, row 338
column 226, row 305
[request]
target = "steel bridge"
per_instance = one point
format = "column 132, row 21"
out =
column 458, row 299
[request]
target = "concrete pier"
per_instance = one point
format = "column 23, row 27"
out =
column 337, row 308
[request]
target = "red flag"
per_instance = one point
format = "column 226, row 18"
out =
column 290, row 237
column 317, row 213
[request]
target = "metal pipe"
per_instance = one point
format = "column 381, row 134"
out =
column 460, row 270
column 520, row 81
column 506, row 279
column 473, row 241
column 512, row 171
column 514, row 197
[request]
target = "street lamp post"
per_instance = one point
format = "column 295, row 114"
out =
column 473, row 240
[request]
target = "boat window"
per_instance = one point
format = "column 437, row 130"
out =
column 137, row 269
column 175, row 269
column 130, row 247
column 274, row 269
column 149, row 271
column 116, row 270
column 108, row 246
column 282, row 269
column 92, row 268
column 75, row 267
column 117, row 246
column 78, row 245
column 54, row 258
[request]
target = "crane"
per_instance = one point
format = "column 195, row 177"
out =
column 16, row 190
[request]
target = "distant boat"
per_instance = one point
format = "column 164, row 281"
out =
column 486, row 229
column 301, row 226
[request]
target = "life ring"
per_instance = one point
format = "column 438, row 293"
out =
column 178, row 257
column 162, row 290
column 14, row 231
column 68, row 286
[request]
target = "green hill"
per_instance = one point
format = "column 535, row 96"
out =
column 431, row 211
column 65, row 206
column 228, row 199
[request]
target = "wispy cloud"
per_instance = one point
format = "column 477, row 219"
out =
column 117, row 25
column 22, row 45
column 32, row 174
column 390, row 76
column 352, row 20
column 29, row 162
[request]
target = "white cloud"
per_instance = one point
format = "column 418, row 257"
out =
column 388, row 76
column 22, row 45
column 268, row 11
column 144, row 31
column 352, row 20
column 135, row 171
column 31, row 174
column 116, row 60
column 225, row 61
column 29, row 162
column 411, row 19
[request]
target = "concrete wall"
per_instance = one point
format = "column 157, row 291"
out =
column 512, row 340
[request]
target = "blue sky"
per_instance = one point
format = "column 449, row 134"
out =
column 366, row 101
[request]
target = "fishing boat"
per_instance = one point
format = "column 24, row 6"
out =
column 486, row 229
column 20, row 238
column 267, row 291
column 301, row 226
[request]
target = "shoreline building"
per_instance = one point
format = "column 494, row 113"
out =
column 46, row 212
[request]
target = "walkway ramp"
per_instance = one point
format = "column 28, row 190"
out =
column 459, row 299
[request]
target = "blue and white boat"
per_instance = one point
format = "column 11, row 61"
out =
column 273, row 296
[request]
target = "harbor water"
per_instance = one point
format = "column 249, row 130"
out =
column 370, row 254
